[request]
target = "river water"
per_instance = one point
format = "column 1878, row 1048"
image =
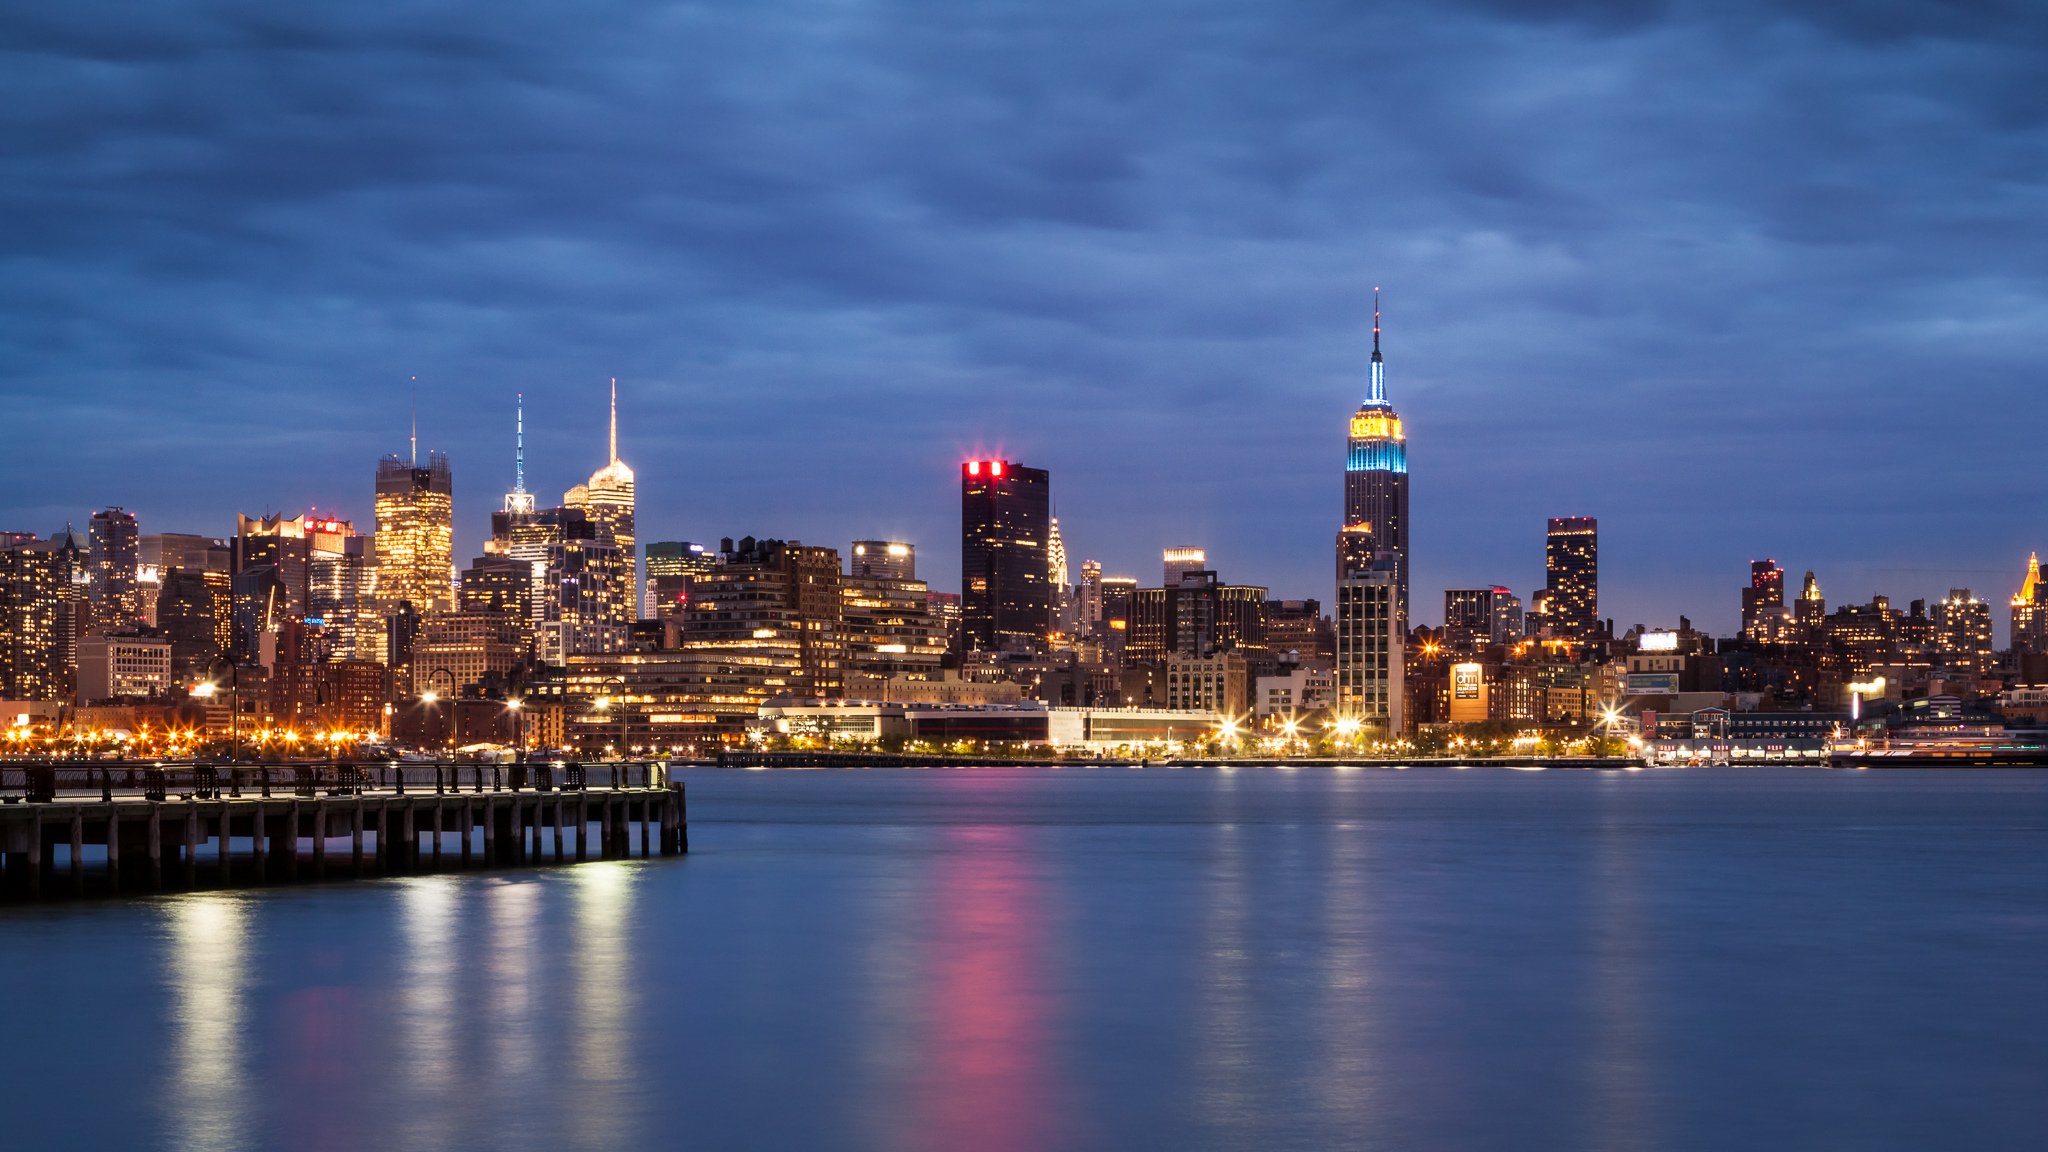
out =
column 993, row 959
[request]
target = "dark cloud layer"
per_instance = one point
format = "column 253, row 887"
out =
column 1740, row 279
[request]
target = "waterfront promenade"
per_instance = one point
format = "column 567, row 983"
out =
column 76, row 829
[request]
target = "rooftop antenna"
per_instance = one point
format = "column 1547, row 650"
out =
column 415, row 421
column 615, row 419
column 519, row 445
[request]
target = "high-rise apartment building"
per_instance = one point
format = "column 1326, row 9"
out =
column 883, row 559
column 773, row 605
column 609, row 500
column 116, row 554
column 123, row 667
column 1962, row 630
column 1006, row 580
column 1370, row 647
column 456, row 651
column 1571, row 559
column 415, row 535
column 888, row 626
column 1298, row 633
column 42, row 595
column 1376, row 480
column 503, row 585
column 1198, row 616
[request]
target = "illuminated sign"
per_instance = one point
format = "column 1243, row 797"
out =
column 1657, row 642
column 1466, row 680
column 1653, row 683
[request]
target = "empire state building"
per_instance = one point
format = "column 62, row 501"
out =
column 1376, row 482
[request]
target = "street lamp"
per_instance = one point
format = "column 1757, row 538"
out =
column 429, row 696
column 605, row 703
column 518, row 729
column 209, row 687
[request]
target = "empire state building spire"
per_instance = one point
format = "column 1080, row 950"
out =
column 1376, row 390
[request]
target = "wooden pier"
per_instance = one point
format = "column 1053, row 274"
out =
column 77, row 829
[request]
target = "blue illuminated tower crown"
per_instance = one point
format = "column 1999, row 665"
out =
column 1378, row 443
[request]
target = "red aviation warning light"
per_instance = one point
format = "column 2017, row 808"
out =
column 974, row 467
column 995, row 467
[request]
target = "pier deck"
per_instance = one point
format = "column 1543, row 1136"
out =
column 76, row 829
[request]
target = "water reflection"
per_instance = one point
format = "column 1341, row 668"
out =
column 605, row 1007
column 1225, row 1060
column 1345, row 1085
column 1621, row 1099
column 209, row 974
column 986, row 1078
column 514, row 1044
column 428, row 910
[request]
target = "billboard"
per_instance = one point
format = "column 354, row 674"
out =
column 1653, row 684
column 1466, row 680
column 1468, row 693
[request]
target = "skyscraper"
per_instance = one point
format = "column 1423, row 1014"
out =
column 39, row 600
column 2030, row 611
column 1371, row 639
column 519, row 500
column 670, row 564
column 609, row 499
column 1178, row 562
column 415, row 534
column 1812, row 608
column 115, row 604
column 1962, row 630
column 1475, row 618
column 1376, row 480
column 1763, row 602
column 1571, row 559
column 1006, row 582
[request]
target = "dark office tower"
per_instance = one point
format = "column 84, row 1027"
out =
column 1006, row 584
column 1476, row 618
column 1763, row 602
column 1572, row 561
column 1376, row 480
column 194, row 611
column 670, row 564
column 115, row 603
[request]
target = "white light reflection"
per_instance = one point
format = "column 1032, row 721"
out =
column 1622, row 1103
column 1225, row 1061
column 605, row 980
column 427, row 908
column 514, row 915
column 1345, row 1085
column 209, row 963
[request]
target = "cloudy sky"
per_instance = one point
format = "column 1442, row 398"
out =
column 1740, row 279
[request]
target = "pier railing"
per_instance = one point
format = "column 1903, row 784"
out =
column 52, row 781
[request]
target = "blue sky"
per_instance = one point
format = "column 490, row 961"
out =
column 1739, row 279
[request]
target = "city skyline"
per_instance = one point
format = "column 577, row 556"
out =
column 1248, row 560
column 1708, row 276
